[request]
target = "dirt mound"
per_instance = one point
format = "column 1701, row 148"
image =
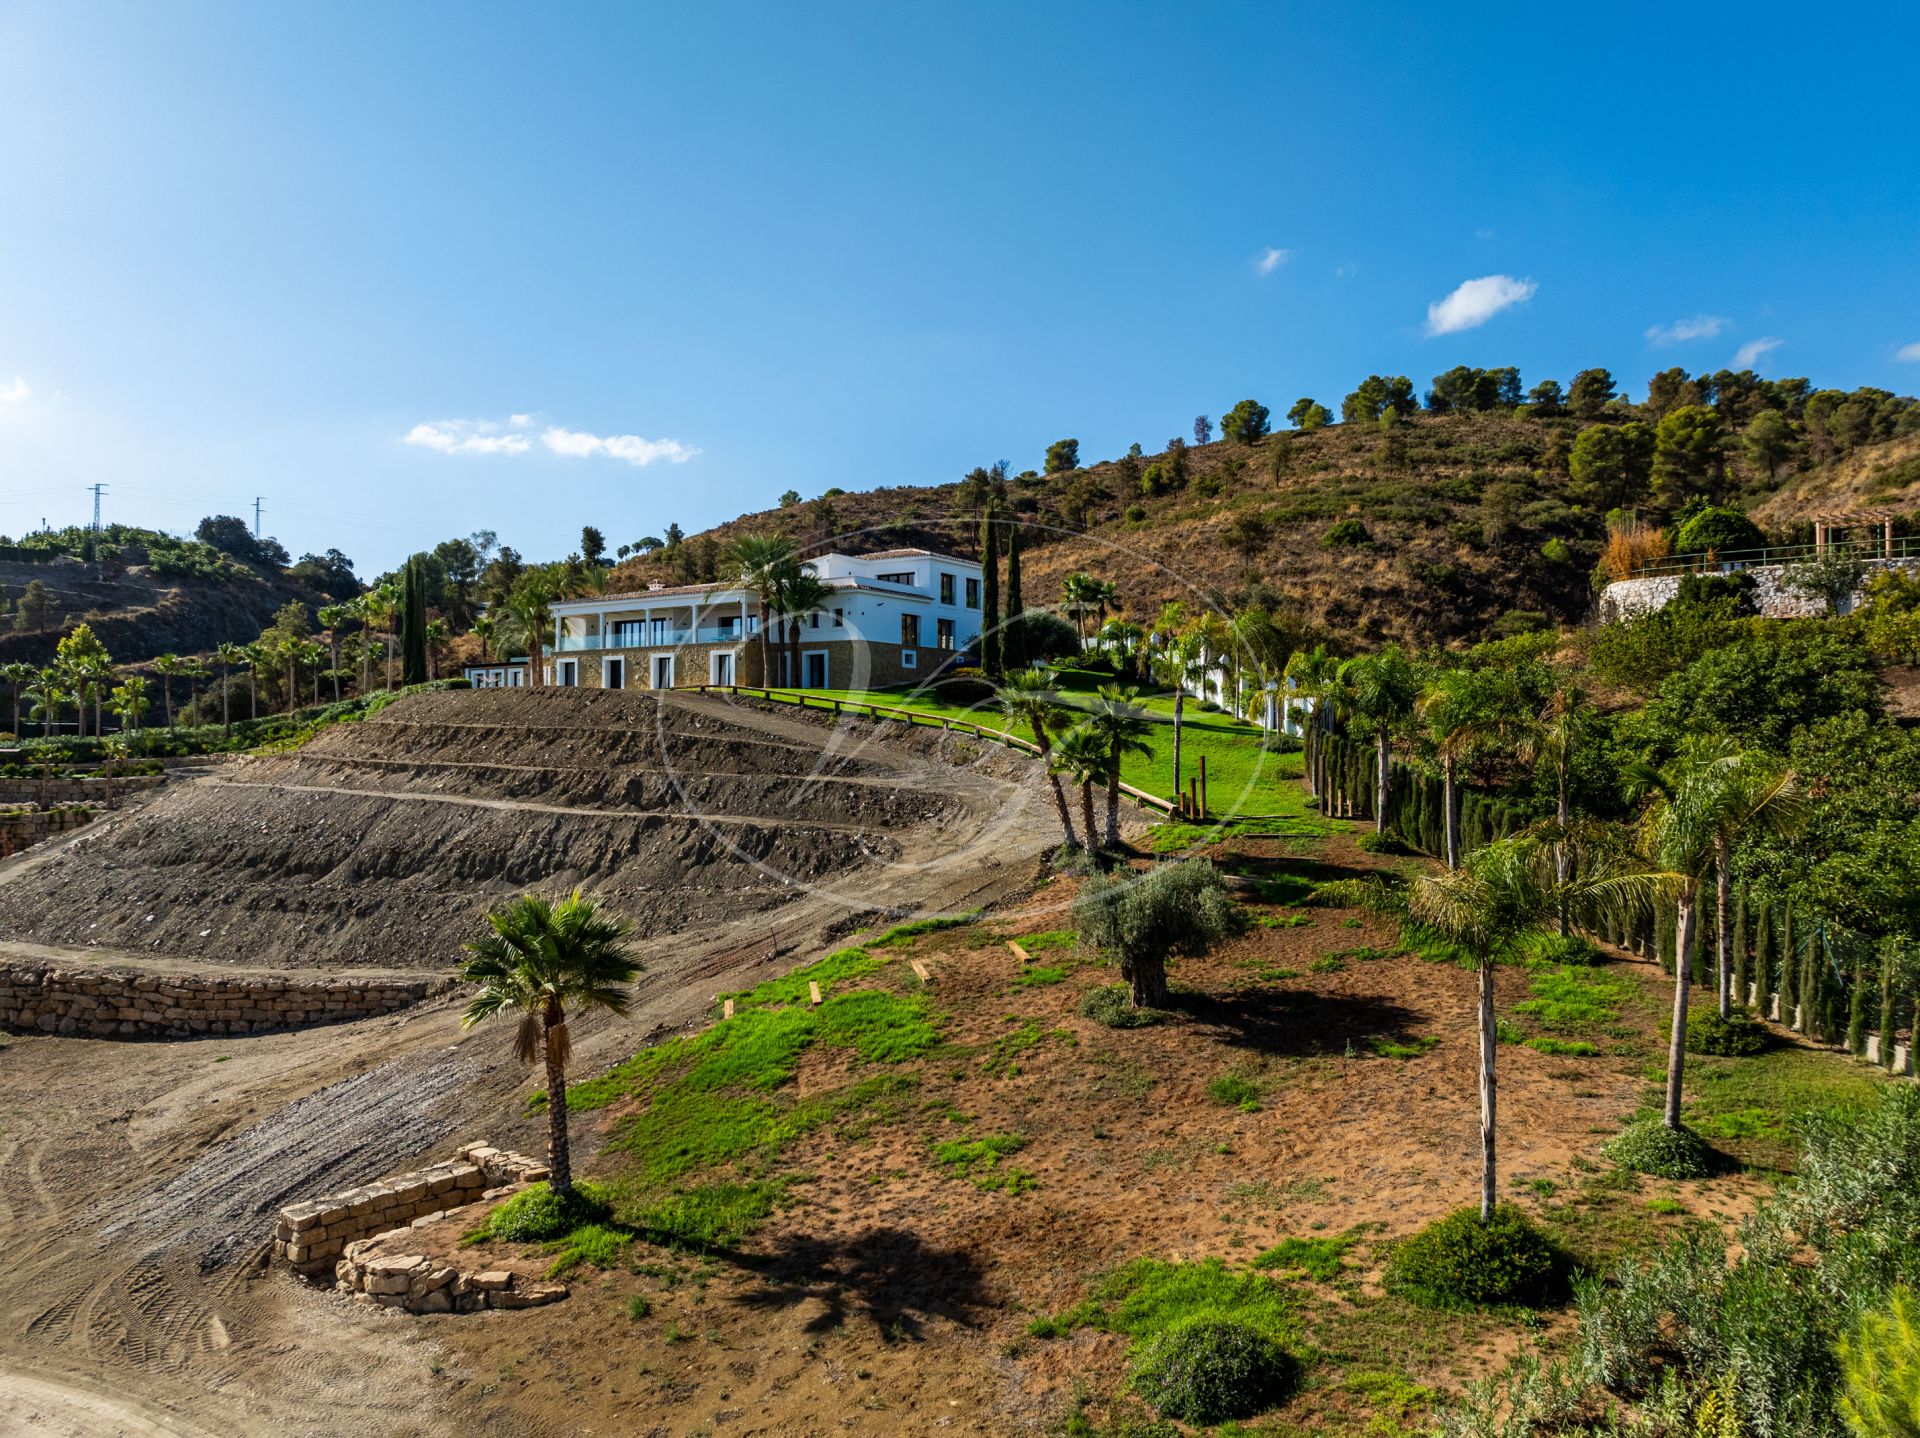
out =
column 381, row 842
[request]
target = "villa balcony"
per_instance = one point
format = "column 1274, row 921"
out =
column 648, row 638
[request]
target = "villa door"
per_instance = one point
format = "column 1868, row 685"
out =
column 614, row 674
column 816, row 671
column 663, row 671
column 723, row 669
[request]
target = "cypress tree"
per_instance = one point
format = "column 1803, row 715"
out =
column 1811, row 995
column 1789, row 973
column 990, row 633
column 413, row 624
column 1664, row 939
column 1013, row 644
column 1742, row 989
column 1857, row 1012
column 1763, row 957
column 1889, row 1018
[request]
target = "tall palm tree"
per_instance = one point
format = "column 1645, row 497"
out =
column 166, row 666
column 1710, row 796
column 1499, row 897
column 1173, row 666
column 1082, row 592
column 332, row 617
column 1312, row 672
column 193, row 669
column 311, row 654
column 1462, row 709
column 1028, row 697
column 801, row 592
column 47, row 692
column 530, row 605
column 1381, row 689
column 18, row 675
column 226, row 655
column 484, row 626
column 540, row 959
column 259, row 658
column 1554, row 740
column 1120, row 727
column 763, row 564
column 364, row 607
column 1081, row 757
column 437, row 636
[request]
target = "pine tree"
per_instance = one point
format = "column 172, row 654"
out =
column 1013, row 645
column 991, row 658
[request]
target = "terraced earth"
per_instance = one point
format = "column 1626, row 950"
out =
column 137, row 1180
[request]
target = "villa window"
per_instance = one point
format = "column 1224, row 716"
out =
column 943, row 633
column 839, row 618
column 946, row 589
column 906, row 578
column 973, row 594
column 813, row 620
column 910, row 630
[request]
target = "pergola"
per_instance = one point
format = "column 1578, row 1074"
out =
column 1827, row 523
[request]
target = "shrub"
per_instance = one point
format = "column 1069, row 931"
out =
column 1649, row 1146
column 1739, row 1035
column 711, row 1215
column 539, row 1215
column 1110, row 1005
column 1459, row 1260
column 1381, row 842
column 1139, row 921
column 1136, row 513
column 1348, row 532
column 1234, row 1092
column 1716, row 528
column 1207, row 1370
column 1564, row 949
column 1880, row 1361
column 1556, row 551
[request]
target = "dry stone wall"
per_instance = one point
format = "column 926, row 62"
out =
column 313, row 1237
column 27, row 827
column 75, row 791
column 1629, row 598
column 38, row 996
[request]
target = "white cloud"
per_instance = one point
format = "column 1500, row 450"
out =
column 1751, row 352
column 468, row 436
column 15, row 393
column 1476, row 302
column 1700, row 327
column 1271, row 260
column 1483, row 234
column 630, row 447
column 1908, row 354
column 489, row 436
column 1346, row 271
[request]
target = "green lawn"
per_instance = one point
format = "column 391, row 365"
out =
column 1242, row 778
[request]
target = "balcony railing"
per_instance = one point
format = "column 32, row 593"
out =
column 649, row 638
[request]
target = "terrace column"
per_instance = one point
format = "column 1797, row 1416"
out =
column 1886, row 533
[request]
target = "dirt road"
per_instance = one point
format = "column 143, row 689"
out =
column 137, row 1179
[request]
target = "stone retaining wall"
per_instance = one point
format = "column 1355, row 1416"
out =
column 311, row 1237
column 74, row 791
column 24, row 830
column 37, row 996
column 1628, row 598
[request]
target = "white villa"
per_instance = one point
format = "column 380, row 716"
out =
column 895, row 616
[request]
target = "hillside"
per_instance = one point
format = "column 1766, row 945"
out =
column 1451, row 526
column 139, row 610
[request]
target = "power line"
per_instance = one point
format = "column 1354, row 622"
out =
column 256, row 516
column 98, row 490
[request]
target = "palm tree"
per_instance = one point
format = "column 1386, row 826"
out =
column 1710, row 796
column 437, row 636
column 18, row 675
column 47, row 692
column 1120, row 727
column 1080, row 756
column 483, row 629
column 193, row 670
column 530, row 605
column 800, row 594
column 539, row 959
column 1381, row 689
column 1173, row 666
column 331, row 617
column 1500, row 896
column 226, row 655
column 1028, row 697
column 1554, row 740
column 363, row 607
column 311, row 653
column 258, row 658
column 1082, row 592
column 166, row 666
column 1312, row 672
column 763, row 563
column 1461, row 710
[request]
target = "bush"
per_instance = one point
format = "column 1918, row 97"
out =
column 1111, row 1006
column 1649, row 1146
column 1140, row 921
column 1348, row 532
column 1739, row 1035
column 1278, row 743
column 1136, row 513
column 964, row 686
column 539, row 1215
column 1461, row 1261
column 1565, row 949
column 1383, row 842
column 1716, row 528
column 1234, row 1091
column 1207, row 1370
column 1556, row 551
column 1881, row 1364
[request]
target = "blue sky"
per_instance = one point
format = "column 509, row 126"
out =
column 409, row 271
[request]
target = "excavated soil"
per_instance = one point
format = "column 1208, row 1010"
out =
column 382, row 842
column 137, row 1181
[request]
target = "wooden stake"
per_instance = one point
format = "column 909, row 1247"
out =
column 1203, row 786
column 813, row 990
column 727, row 1011
column 1019, row 953
column 921, row 970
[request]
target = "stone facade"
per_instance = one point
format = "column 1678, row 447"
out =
column 28, row 827
column 851, row 663
column 39, row 996
column 312, row 1237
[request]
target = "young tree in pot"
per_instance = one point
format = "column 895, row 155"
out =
column 540, row 960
